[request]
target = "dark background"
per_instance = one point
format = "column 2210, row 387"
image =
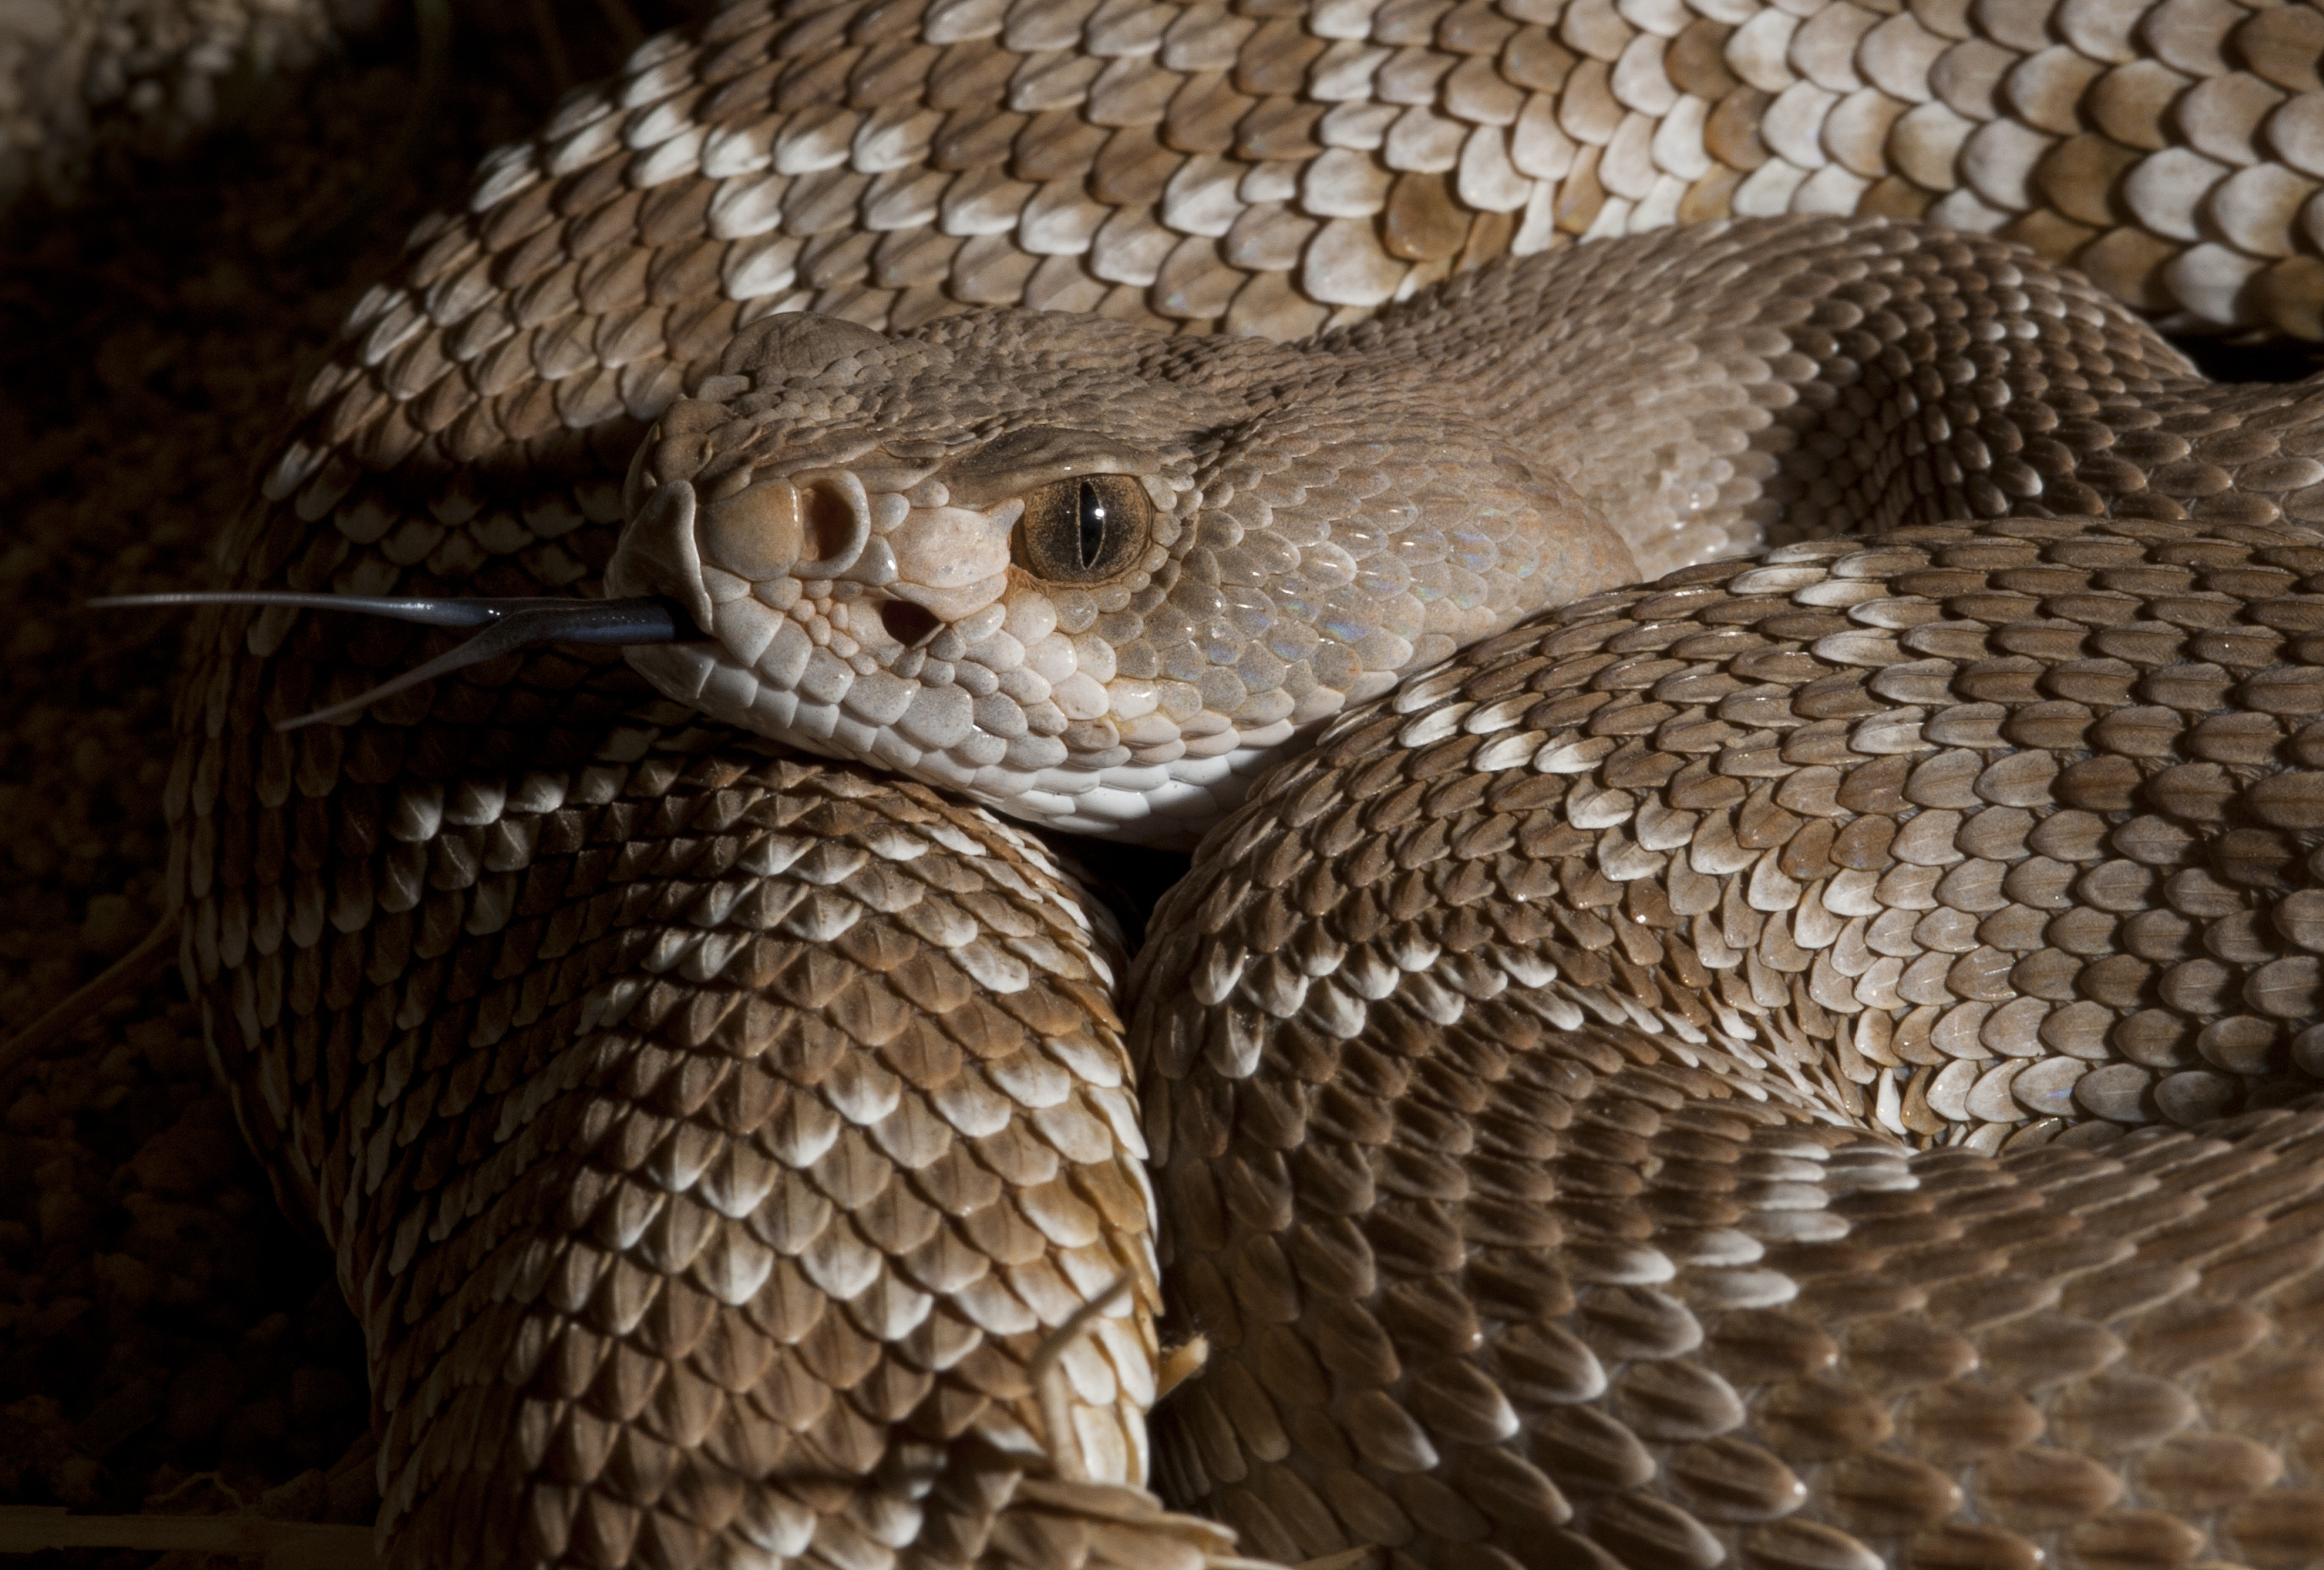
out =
column 164, row 1332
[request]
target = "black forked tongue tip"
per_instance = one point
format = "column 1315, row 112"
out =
column 504, row 626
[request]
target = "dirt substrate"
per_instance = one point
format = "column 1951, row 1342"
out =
column 167, row 1342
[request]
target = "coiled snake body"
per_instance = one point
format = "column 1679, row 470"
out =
column 723, row 1145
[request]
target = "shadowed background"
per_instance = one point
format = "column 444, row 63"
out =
column 163, row 286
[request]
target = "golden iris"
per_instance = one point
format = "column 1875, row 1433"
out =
column 1086, row 529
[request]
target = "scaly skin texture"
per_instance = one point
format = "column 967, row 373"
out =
column 1320, row 521
column 1360, row 504
column 523, row 990
column 716, row 1209
column 1513, row 1065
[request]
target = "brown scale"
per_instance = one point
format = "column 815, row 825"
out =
column 1946, row 884
column 621, row 205
column 376, row 911
column 1524, row 1179
column 711, row 1144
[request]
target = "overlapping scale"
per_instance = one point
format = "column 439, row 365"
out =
column 1270, row 173
column 1566, row 1232
column 477, row 961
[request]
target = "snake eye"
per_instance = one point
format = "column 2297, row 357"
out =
column 1086, row 529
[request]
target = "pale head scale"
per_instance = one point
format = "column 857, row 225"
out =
column 1091, row 575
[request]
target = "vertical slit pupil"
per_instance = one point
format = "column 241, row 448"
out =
column 1093, row 524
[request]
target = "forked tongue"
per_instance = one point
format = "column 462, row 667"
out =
column 507, row 625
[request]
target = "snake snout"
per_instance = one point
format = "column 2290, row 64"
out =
column 657, row 554
column 807, row 526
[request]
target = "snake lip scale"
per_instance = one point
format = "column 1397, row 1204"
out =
column 1746, row 986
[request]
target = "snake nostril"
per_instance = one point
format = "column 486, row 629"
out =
column 826, row 520
column 910, row 625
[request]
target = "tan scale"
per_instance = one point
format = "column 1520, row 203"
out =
column 793, row 1125
column 514, row 851
column 886, row 164
column 1512, row 1059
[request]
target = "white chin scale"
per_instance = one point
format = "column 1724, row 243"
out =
column 1169, row 806
column 1170, row 812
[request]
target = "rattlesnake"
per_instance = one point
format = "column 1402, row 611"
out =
column 714, row 1138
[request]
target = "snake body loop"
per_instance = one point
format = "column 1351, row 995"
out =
column 715, row 1139
column 1463, row 1164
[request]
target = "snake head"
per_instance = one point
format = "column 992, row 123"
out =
column 1087, row 573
